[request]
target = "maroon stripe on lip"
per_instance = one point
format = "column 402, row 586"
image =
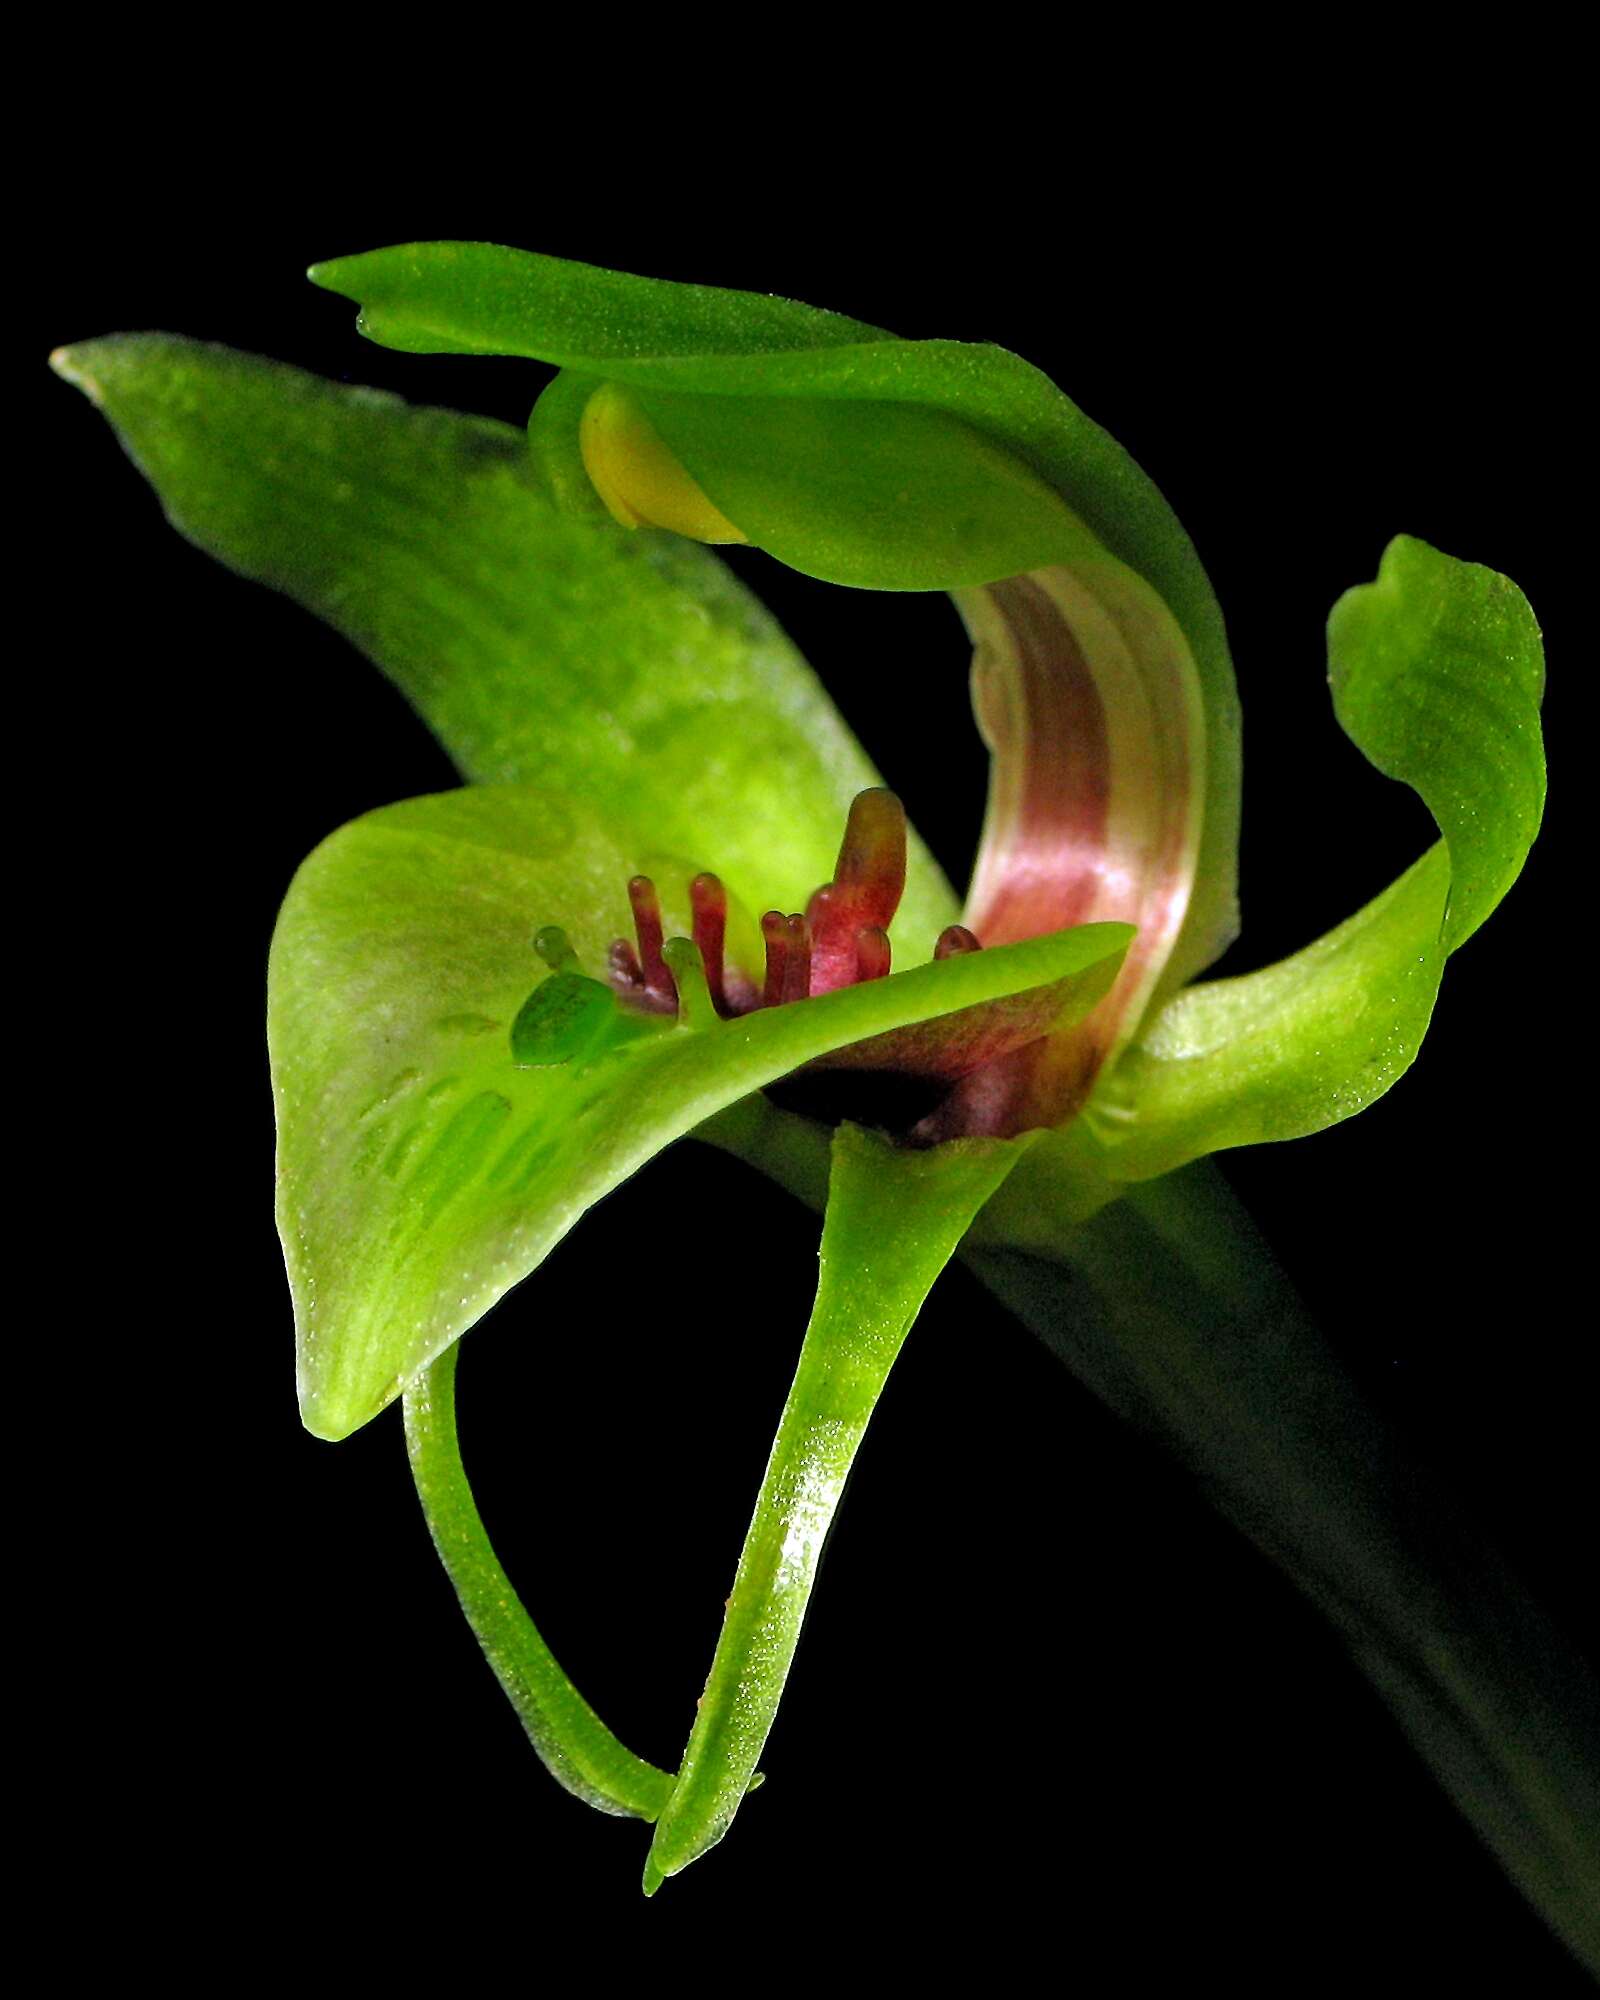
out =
column 1052, row 855
column 1044, row 839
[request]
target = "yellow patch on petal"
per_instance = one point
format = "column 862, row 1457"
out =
column 638, row 478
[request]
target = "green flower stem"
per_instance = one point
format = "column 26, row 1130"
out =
column 573, row 1743
column 1169, row 1305
column 894, row 1219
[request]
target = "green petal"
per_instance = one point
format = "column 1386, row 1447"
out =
column 839, row 411
column 631, row 668
column 1437, row 673
column 422, row 1170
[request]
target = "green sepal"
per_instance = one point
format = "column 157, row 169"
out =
column 422, row 1170
column 632, row 669
column 480, row 298
column 1437, row 672
column 676, row 346
column 894, row 1219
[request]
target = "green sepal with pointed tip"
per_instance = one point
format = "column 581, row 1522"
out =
column 423, row 1170
column 1438, row 672
column 632, row 669
column 894, row 1218
column 481, row 298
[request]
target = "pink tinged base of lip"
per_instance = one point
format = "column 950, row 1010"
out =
column 1086, row 693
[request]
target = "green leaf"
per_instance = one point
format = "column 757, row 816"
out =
column 894, row 1219
column 631, row 669
column 1437, row 673
column 688, row 353
column 422, row 1170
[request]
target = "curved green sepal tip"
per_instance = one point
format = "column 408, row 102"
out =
column 424, row 1170
column 1437, row 672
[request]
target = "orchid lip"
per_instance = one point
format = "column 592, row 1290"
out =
column 1088, row 697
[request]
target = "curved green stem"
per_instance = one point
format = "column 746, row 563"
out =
column 573, row 1743
column 894, row 1219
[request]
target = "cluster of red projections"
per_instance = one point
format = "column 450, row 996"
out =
column 842, row 938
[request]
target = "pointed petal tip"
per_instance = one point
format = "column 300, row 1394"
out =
column 329, row 1411
column 321, row 1424
column 339, row 275
column 330, row 1426
column 653, row 1877
column 68, row 363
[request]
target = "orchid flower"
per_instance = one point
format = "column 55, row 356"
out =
column 674, row 898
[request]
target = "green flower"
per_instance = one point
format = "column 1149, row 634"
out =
column 647, row 754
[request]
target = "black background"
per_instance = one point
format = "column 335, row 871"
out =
column 1046, row 1701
